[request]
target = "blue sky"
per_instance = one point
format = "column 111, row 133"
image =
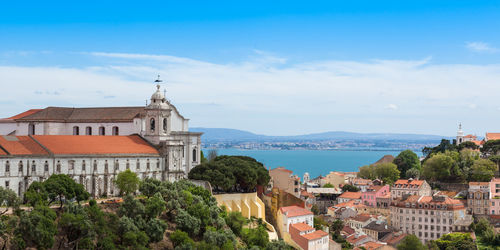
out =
column 272, row 67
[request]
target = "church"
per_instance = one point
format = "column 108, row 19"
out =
column 93, row 145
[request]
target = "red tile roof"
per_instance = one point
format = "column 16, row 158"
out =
column 372, row 245
column 409, row 183
column 470, row 136
column 351, row 195
column 293, row 211
column 475, row 183
column 315, row 235
column 23, row 114
column 348, row 230
column 361, row 217
column 20, row 145
column 493, row 136
column 393, row 238
column 95, row 145
column 355, row 238
column 302, row 227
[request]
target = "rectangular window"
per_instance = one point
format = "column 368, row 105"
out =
column 7, row 184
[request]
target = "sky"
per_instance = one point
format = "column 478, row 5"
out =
column 269, row 67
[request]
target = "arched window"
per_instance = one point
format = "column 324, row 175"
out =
column 147, row 165
column 33, row 166
column 194, row 154
column 83, row 165
column 127, row 165
column 138, row 165
column 58, row 167
column 106, row 166
column 7, row 166
column 117, row 165
column 71, row 164
column 31, row 129
column 76, row 130
column 165, row 125
column 102, row 131
column 115, row 130
column 158, row 164
column 20, row 166
column 88, row 130
column 46, row 166
column 95, row 166
column 152, row 124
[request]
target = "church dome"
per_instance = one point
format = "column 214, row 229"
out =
column 158, row 96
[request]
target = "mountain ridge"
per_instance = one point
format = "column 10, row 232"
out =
column 227, row 134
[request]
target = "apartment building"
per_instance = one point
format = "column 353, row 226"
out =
column 427, row 217
column 410, row 187
column 478, row 198
column 495, row 196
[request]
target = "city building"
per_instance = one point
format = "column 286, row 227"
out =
column 295, row 214
column 346, row 209
column 394, row 238
column 362, row 184
column 285, row 180
column 359, row 221
column 369, row 197
column 478, row 199
column 410, row 187
column 159, row 123
column 461, row 138
column 492, row 136
column 495, row 196
column 358, row 239
column 377, row 229
column 93, row 161
column 348, row 196
column 309, row 238
column 336, row 179
column 323, row 197
column 427, row 217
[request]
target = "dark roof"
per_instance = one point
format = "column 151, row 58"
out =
column 378, row 226
column 385, row 159
column 63, row 114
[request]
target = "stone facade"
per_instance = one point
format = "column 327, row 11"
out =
column 478, row 199
column 410, row 187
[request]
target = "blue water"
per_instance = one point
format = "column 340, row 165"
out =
column 315, row 162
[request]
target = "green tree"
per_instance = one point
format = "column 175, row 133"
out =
column 127, row 181
column 405, row 161
column 36, row 194
column 496, row 160
column 255, row 236
column 456, row 241
column 387, row 172
column 155, row 206
column 278, row 245
column 319, row 223
column 468, row 145
column 315, row 209
column 76, row 228
column 349, row 188
column 155, row 229
column 179, row 238
column 367, row 172
column 438, row 167
column 491, row 147
column 9, row 199
column 61, row 186
column 150, row 187
column 481, row 226
column 328, row 185
column 38, row 228
column 413, row 173
column 236, row 221
column 483, row 170
column 411, row 242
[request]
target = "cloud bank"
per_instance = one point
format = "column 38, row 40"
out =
column 268, row 94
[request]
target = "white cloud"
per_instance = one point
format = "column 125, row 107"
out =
column 480, row 47
column 268, row 96
column 392, row 107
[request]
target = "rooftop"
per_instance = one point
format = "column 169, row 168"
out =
column 315, row 235
column 408, row 183
column 493, row 136
column 302, row 227
column 75, row 145
column 294, row 211
column 351, row 195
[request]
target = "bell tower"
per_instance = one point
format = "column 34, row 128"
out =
column 460, row 134
column 157, row 117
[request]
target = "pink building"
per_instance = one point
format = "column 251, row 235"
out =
column 495, row 196
column 369, row 197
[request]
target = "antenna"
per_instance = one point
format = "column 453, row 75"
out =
column 158, row 80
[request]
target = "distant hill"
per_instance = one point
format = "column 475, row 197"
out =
column 227, row 135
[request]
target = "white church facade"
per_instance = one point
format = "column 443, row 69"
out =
column 93, row 145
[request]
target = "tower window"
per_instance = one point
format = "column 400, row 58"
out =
column 165, row 126
column 102, row 131
column 115, row 130
column 31, row 129
column 88, row 130
column 194, row 154
column 152, row 124
column 76, row 130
